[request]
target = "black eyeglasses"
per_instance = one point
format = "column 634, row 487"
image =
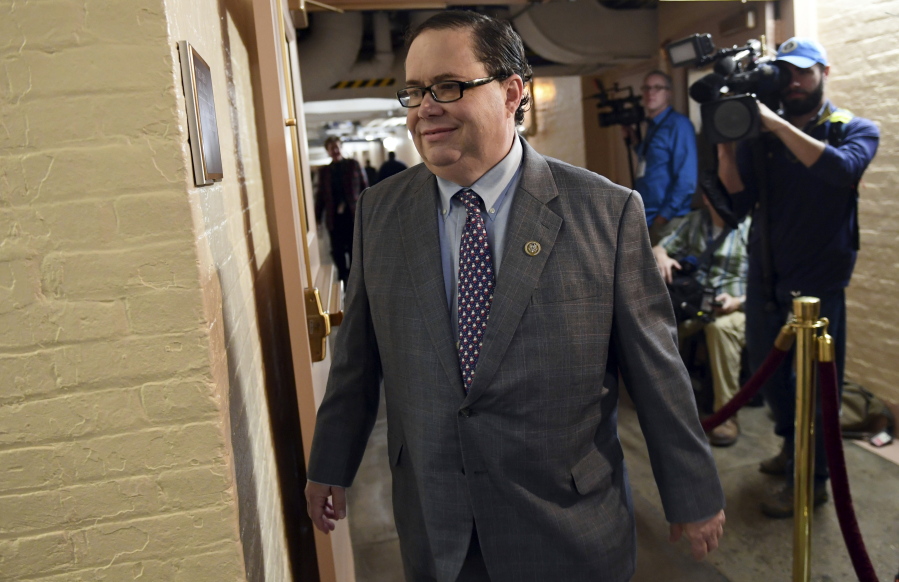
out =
column 442, row 92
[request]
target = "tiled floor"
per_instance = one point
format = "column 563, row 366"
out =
column 754, row 548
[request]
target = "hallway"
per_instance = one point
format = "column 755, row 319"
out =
column 755, row 548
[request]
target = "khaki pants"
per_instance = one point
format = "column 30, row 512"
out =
column 725, row 338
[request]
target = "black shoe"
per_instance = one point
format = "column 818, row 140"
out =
column 776, row 465
column 779, row 504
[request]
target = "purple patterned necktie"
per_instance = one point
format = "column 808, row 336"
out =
column 476, row 282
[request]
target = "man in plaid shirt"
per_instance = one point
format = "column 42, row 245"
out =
column 726, row 273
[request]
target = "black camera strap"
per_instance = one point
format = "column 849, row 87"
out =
column 705, row 259
column 651, row 133
column 760, row 221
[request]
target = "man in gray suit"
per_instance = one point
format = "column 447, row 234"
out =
column 496, row 294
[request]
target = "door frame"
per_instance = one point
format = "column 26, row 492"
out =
column 290, row 190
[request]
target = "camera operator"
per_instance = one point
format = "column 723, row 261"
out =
column 812, row 160
column 666, row 158
column 725, row 335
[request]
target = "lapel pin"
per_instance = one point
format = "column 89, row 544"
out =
column 532, row 248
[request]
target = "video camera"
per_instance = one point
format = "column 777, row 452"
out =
column 727, row 96
column 690, row 299
column 625, row 111
column 622, row 111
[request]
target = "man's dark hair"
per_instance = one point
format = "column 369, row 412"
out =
column 496, row 45
column 391, row 156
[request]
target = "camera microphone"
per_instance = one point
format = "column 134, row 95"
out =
column 707, row 88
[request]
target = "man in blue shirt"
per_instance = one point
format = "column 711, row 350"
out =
column 666, row 159
column 815, row 155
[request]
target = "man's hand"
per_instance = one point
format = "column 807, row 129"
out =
column 320, row 509
column 665, row 263
column 770, row 120
column 703, row 535
column 728, row 303
column 807, row 149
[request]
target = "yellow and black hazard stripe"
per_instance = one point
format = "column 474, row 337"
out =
column 364, row 83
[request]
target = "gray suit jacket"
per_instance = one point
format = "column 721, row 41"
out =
column 531, row 454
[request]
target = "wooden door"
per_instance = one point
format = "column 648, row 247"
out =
column 311, row 289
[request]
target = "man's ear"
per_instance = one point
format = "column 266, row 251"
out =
column 514, row 93
column 825, row 71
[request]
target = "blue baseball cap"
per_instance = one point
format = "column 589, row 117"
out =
column 802, row 52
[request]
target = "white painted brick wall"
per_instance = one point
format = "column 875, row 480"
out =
column 860, row 38
column 115, row 457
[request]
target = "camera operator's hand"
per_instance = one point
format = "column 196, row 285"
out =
column 727, row 303
column 806, row 148
column 665, row 263
column 771, row 121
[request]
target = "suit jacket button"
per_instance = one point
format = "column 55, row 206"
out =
column 466, row 412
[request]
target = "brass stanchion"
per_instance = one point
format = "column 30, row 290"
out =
column 805, row 322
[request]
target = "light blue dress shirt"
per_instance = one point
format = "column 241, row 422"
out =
column 496, row 188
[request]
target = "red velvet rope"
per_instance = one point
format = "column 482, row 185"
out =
column 839, row 480
column 833, row 443
column 748, row 391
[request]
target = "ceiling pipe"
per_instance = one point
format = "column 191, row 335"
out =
column 578, row 36
column 587, row 33
column 381, row 65
column 331, row 56
column 324, row 60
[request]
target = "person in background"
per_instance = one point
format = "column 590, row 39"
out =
column 666, row 169
column 390, row 167
column 725, row 335
column 495, row 294
column 814, row 155
column 371, row 174
column 339, row 186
